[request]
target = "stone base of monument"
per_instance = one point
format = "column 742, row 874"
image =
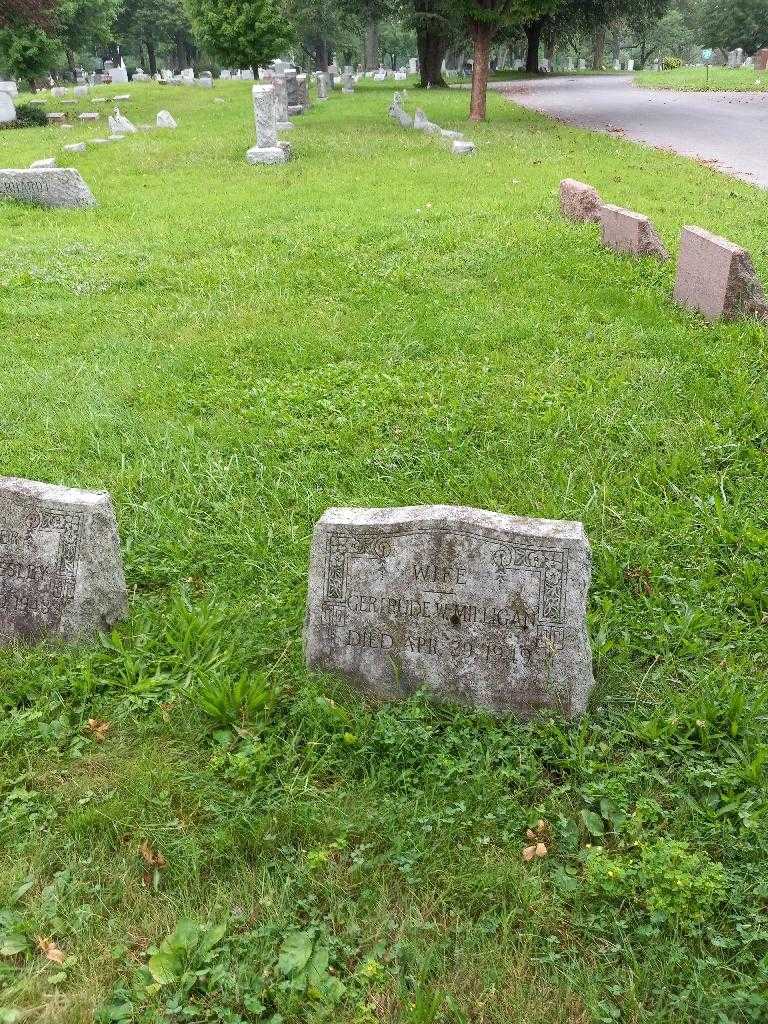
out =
column 46, row 186
column 63, row 571
column 269, row 155
column 474, row 607
column 295, row 109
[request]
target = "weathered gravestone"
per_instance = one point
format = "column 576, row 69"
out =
column 579, row 202
column 398, row 113
column 761, row 60
column 422, row 123
column 321, row 77
column 461, row 147
column 292, row 88
column 479, row 608
column 46, row 186
column 625, row 231
column 302, row 88
column 281, row 103
column 61, row 571
column 165, row 119
column 267, row 149
column 717, row 278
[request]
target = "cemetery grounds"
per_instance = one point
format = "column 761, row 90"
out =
column 193, row 827
column 695, row 79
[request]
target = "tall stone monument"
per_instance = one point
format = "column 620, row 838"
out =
column 292, row 87
column 61, row 571
column 478, row 608
column 281, row 103
column 267, row 149
column 302, row 88
column 7, row 108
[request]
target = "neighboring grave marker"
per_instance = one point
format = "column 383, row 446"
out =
column 717, row 278
column 61, row 571
column 625, row 231
column 479, row 608
column 268, row 149
column 579, row 202
column 46, row 186
column 7, row 108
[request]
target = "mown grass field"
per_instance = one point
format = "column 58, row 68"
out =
column 688, row 79
column 229, row 350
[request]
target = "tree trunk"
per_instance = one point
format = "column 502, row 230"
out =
column 371, row 44
column 152, row 54
column 432, row 49
column 71, row 62
column 432, row 44
column 533, row 35
column 481, row 38
column 598, row 54
column 616, row 45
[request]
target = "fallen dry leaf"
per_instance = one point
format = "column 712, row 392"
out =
column 535, row 850
column 50, row 950
column 98, row 729
column 152, row 858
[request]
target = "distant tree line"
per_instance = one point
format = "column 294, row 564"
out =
column 38, row 37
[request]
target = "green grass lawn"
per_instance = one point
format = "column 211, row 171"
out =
column 697, row 80
column 231, row 349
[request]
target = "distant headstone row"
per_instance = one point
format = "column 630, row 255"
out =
column 736, row 59
column 420, row 122
column 282, row 93
column 714, row 276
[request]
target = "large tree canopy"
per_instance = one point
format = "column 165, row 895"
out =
column 243, row 33
column 26, row 12
column 733, row 23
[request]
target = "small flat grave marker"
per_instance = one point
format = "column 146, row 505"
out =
column 579, row 202
column 625, row 231
column 717, row 278
column 481, row 609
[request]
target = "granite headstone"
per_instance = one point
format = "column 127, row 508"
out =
column 717, row 278
column 479, row 608
column 61, row 571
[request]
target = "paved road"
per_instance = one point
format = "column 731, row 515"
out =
column 729, row 130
